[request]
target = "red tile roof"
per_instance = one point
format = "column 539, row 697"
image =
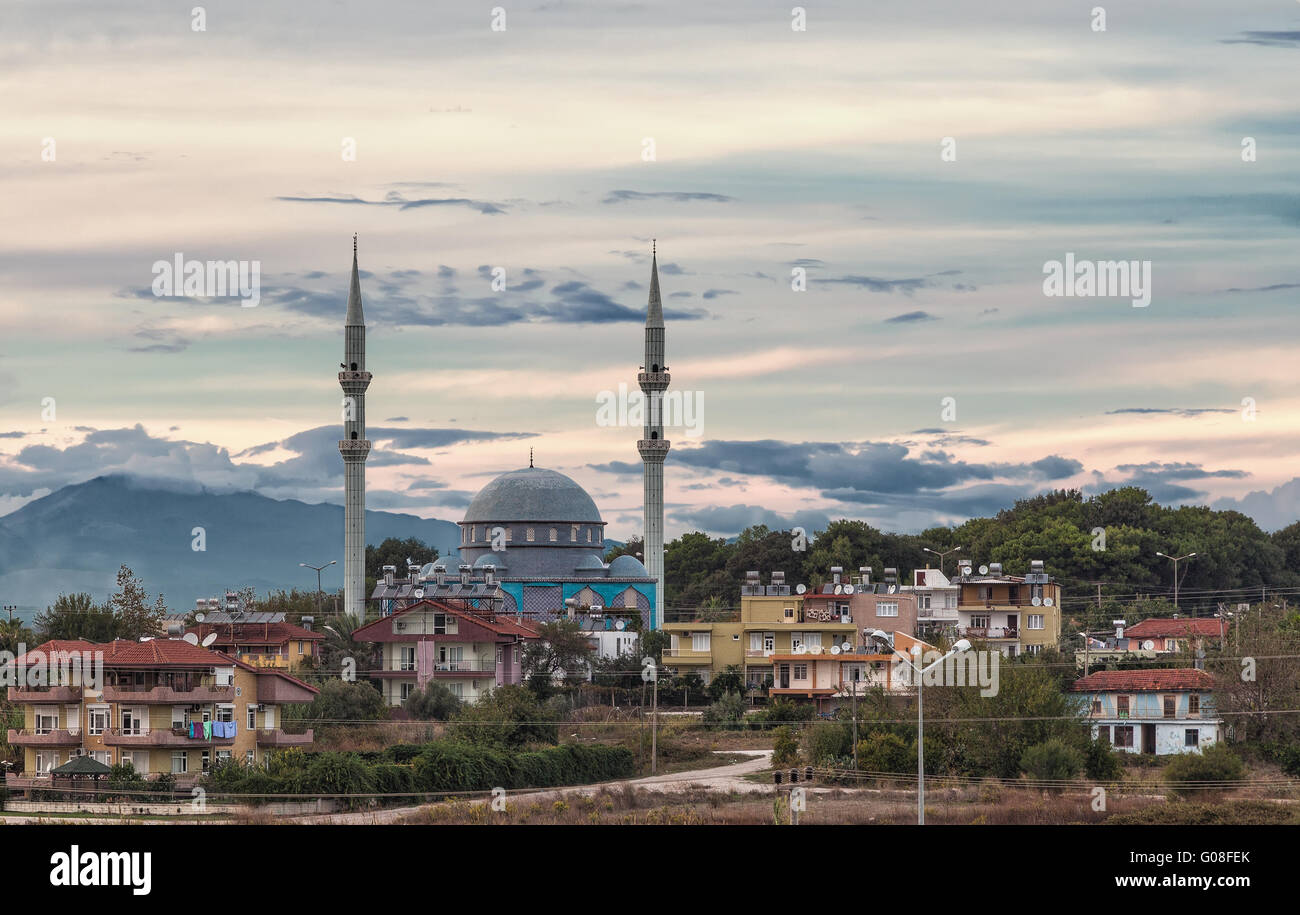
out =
column 1144, row 680
column 501, row 625
column 255, row 633
column 54, row 645
column 1208, row 627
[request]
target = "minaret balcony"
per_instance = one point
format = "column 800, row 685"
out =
column 354, row 449
column 653, row 380
column 354, row 382
column 652, row 448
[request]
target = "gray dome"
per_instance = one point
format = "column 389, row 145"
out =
column 627, row 566
column 532, row 494
column 591, row 562
column 450, row 563
column 491, row 559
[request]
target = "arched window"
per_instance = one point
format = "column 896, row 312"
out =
column 654, row 435
column 589, row 535
column 354, row 366
column 530, row 535
column 555, row 535
column 573, row 534
column 354, row 436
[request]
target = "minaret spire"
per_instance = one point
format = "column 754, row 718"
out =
column 653, row 380
column 354, row 447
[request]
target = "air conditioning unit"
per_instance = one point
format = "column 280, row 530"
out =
column 400, row 626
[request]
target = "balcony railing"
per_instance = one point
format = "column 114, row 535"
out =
column 159, row 737
column 1157, row 715
column 463, row 667
column 168, row 695
column 685, row 653
column 990, row 632
column 45, row 737
column 36, row 694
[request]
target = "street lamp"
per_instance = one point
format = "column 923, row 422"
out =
column 917, row 651
column 1176, row 559
column 955, row 549
column 317, row 570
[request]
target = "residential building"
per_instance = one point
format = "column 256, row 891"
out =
column 1152, row 711
column 280, row 645
column 473, row 650
column 145, row 706
column 885, row 605
column 936, row 602
column 1175, row 634
column 1011, row 613
column 829, row 677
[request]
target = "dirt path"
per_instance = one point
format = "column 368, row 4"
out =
column 718, row 778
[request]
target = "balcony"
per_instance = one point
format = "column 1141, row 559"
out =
column 161, row 737
column 38, row 694
column 45, row 737
column 463, row 669
column 937, row 614
column 759, row 652
column 990, row 632
column 168, row 695
column 275, row 737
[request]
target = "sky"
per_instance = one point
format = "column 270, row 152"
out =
column 917, row 165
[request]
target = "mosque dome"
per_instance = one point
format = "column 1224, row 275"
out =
column 533, row 494
column 590, row 563
column 627, row 566
column 492, row 559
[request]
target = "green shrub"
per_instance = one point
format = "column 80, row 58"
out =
column 1052, row 760
column 1204, row 774
column 883, row 751
column 826, row 741
column 727, row 713
column 1101, row 763
column 785, row 747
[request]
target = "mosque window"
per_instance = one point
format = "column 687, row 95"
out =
column 510, row 534
column 530, row 535
column 555, row 535
column 589, row 535
column 473, row 534
column 573, row 533
column 629, row 599
column 654, row 434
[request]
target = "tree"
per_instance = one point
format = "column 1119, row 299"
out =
column 433, row 703
column 730, row 680
column 130, row 604
column 14, row 633
column 563, row 648
column 343, row 703
column 76, row 616
column 1204, row 775
column 508, row 717
column 395, row 552
column 1052, row 760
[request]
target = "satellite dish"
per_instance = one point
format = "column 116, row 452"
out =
column 191, row 638
column 848, row 589
column 984, row 570
column 1037, row 601
column 199, row 617
column 799, row 589
column 1149, row 645
column 846, row 646
column 817, row 649
column 835, row 649
column 1047, row 602
column 211, row 637
column 418, row 592
column 621, row 625
column 839, row 589
column 802, row 649
column 893, row 589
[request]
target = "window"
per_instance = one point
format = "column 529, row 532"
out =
column 510, row 534
column 1192, row 737
column 1124, row 735
column 813, row 639
column 1096, row 706
column 1170, row 705
column 205, row 761
column 1103, row 733
column 979, row 620
column 225, row 713
column 555, row 535
column 132, row 721
column 573, row 534
column 530, row 535
column 473, row 534
column 1194, row 704
column 407, row 687
column 1035, row 621
column 406, row 657
column 46, row 722
column 223, row 757
column 887, row 608
column 589, row 535
column 97, row 720
column 700, row 641
column 252, row 717
column 789, row 613
column 457, row 690
column 180, row 762
column 796, row 640
column 1121, row 707
column 249, row 757
column 801, row 671
column 178, row 716
column 769, row 641
column 1031, row 649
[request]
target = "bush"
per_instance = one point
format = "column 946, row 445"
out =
column 785, row 747
column 1052, row 760
column 1200, row 775
column 1101, row 763
column 507, row 717
column 826, row 741
column 883, row 751
column 433, row 703
column 725, row 714
column 783, row 710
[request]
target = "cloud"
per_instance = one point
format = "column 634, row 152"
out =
column 673, row 196
column 1276, row 287
column 732, row 519
column 396, row 199
column 1172, row 411
column 1165, row 481
column 1266, row 39
column 1272, row 509
column 714, row 293
column 911, row 317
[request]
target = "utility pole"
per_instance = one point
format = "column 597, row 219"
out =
column 1176, row 560
column 654, row 726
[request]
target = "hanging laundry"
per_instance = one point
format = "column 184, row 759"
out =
column 207, row 730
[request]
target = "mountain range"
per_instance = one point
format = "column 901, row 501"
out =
column 75, row 539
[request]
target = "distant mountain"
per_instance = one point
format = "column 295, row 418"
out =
column 75, row 538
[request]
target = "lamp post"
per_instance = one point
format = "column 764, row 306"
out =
column 317, row 570
column 941, row 556
column 1176, row 559
column 917, row 651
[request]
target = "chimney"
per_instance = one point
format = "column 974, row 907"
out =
column 464, row 575
column 837, row 575
column 307, row 622
column 390, row 575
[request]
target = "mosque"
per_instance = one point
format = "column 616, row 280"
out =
column 532, row 540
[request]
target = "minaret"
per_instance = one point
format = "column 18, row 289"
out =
column 653, row 380
column 355, row 448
